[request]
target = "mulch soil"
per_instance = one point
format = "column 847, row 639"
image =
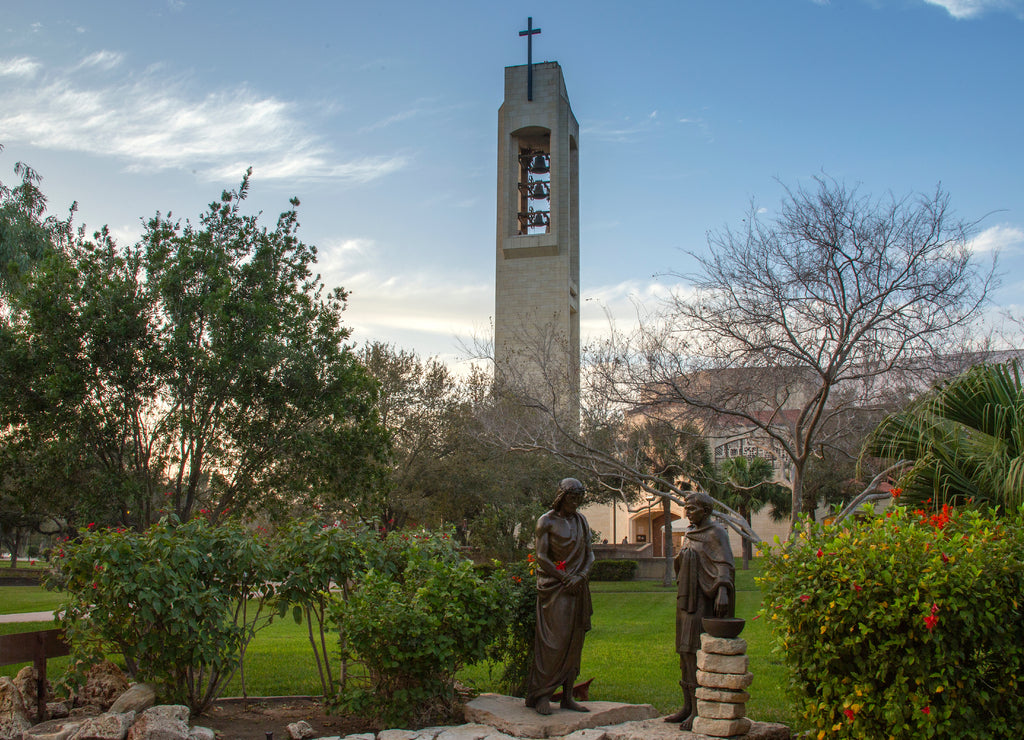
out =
column 253, row 719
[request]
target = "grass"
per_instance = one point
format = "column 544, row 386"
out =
column 22, row 599
column 630, row 652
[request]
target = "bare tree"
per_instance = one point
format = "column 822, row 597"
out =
column 838, row 302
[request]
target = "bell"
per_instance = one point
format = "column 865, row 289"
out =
column 539, row 219
column 539, row 165
column 539, row 192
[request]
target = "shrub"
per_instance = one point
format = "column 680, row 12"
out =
column 905, row 625
column 613, row 570
column 175, row 601
column 319, row 563
column 513, row 644
column 413, row 620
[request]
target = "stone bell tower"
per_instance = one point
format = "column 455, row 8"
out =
column 536, row 313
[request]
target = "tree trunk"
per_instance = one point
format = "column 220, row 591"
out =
column 670, row 576
column 745, row 545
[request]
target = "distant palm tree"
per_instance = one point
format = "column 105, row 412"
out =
column 966, row 439
column 745, row 485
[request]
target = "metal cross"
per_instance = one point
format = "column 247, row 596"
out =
column 528, row 33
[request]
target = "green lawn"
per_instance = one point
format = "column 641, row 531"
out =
column 21, row 599
column 629, row 652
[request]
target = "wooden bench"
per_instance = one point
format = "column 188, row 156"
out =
column 34, row 647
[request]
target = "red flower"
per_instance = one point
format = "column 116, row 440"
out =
column 926, row 710
column 560, row 565
column 849, row 713
column 857, row 588
column 935, row 608
column 820, row 553
column 945, row 558
column 896, row 492
column 805, row 598
column 930, row 621
column 90, row 525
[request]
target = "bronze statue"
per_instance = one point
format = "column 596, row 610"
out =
column 563, row 560
column 706, row 587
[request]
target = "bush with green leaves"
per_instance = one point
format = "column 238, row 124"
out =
column 319, row 564
column 614, row 570
column 180, row 602
column 413, row 621
column 512, row 646
column 904, row 625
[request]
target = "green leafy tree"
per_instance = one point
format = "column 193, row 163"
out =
column 204, row 368
column 965, row 440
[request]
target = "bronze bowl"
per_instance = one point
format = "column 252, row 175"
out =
column 723, row 626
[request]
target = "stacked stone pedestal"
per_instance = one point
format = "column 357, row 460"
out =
column 722, row 680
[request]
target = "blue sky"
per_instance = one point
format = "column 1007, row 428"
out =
column 381, row 118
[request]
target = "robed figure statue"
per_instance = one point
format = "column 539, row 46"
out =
column 563, row 561
column 706, row 577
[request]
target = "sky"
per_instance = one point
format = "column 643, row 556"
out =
column 381, row 118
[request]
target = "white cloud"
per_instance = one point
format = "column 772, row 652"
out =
column 965, row 9
column 18, row 67
column 102, row 59
column 999, row 238
column 153, row 123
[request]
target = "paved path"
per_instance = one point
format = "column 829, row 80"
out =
column 26, row 617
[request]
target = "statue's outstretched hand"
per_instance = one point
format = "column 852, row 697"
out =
column 722, row 602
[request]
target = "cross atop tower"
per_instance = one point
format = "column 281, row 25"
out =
column 529, row 33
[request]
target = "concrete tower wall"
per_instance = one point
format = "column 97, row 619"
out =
column 536, row 323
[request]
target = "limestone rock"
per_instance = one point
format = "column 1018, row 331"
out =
column 104, row 682
column 201, row 733
column 724, row 680
column 715, row 663
column 162, row 722
column 138, row 698
column 720, row 710
column 54, row 729
column 722, row 645
column 27, row 682
column 721, row 727
column 511, row 716
column 105, row 727
column 768, row 731
column 399, row 735
column 595, row 734
column 727, row 695
column 58, row 709
column 89, row 710
column 14, row 717
column 471, row 731
column 360, row 736
column 300, row 730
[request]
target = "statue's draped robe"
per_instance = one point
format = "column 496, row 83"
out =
column 562, row 618
column 704, row 563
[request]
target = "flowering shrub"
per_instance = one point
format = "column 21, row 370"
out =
column 906, row 625
column 179, row 602
column 413, row 620
column 513, row 644
column 319, row 563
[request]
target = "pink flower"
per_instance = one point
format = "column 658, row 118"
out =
column 935, row 608
column 857, row 588
column 926, row 710
column 805, row 598
column 560, row 565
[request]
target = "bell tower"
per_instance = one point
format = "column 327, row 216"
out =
column 536, row 314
